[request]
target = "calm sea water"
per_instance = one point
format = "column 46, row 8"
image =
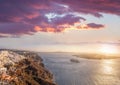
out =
column 87, row 72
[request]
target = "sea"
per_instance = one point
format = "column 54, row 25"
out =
column 84, row 72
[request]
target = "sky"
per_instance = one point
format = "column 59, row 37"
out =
column 59, row 25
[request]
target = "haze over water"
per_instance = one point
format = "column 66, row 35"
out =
column 87, row 72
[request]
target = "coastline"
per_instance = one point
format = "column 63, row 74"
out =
column 25, row 70
column 96, row 56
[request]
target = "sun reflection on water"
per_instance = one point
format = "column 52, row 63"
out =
column 107, row 66
column 106, row 73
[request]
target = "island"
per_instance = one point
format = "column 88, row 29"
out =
column 74, row 60
column 97, row 56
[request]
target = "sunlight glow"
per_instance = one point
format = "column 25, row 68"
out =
column 107, row 66
column 108, row 49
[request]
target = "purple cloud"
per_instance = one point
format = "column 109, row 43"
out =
column 58, row 24
column 94, row 7
column 16, row 29
column 19, row 17
column 96, row 26
column 68, row 19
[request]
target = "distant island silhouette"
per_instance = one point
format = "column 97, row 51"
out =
column 97, row 56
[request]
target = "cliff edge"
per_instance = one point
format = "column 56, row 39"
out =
column 23, row 68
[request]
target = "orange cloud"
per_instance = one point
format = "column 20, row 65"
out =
column 49, row 29
column 37, row 28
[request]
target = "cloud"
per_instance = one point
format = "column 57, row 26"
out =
column 68, row 19
column 16, row 29
column 96, row 26
column 90, row 26
column 19, row 17
column 58, row 24
column 94, row 7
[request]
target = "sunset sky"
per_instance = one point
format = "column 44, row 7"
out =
column 59, row 25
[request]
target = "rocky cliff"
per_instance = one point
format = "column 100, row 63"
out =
column 23, row 68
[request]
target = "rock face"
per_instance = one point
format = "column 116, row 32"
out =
column 9, row 57
column 23, row 68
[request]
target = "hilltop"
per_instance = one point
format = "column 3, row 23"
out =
column 23, row 68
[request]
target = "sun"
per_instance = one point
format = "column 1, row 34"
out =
column 108, row 49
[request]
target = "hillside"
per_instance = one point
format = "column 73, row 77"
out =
column 23, row 68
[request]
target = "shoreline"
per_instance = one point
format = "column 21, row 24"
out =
column 96, row 56
column 25, row 70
